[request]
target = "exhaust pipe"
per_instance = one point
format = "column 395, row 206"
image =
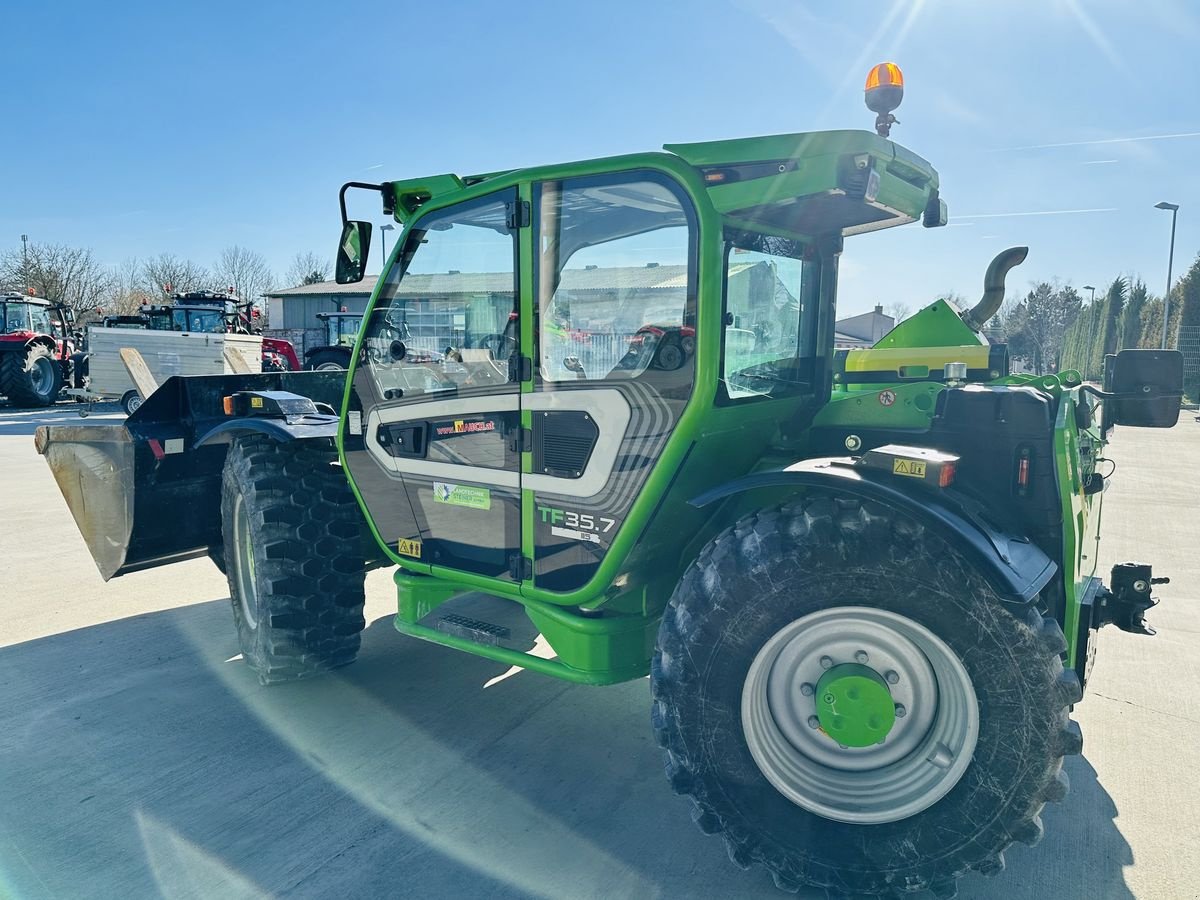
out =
column 993, row 287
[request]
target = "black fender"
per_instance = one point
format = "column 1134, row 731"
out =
column 309, row 428
column 1016, row 567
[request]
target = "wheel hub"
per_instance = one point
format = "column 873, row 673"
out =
column 859, row 715
column 854, row 705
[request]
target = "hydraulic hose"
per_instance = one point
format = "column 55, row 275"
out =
column 993, row 287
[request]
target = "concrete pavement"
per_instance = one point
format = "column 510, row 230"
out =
column 140, row 758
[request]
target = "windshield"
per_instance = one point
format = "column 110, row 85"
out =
column 342, row 331
column 208, row 321
column 440, row 322
column 26, row 317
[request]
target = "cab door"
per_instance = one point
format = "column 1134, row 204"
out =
column 432, row 435
column 614, row 363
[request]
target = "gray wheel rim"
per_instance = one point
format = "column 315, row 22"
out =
column 244, row 564
column 325, row 366
column 41, row 376
column 922, row 758
column 132, row 404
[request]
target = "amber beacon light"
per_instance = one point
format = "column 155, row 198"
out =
column 884, row 91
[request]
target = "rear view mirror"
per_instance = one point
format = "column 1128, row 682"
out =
column 353, row 250
column 1149, row 385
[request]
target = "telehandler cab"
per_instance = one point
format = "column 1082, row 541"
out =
column 863, row 583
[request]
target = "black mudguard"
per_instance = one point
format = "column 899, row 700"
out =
column 1018, row 569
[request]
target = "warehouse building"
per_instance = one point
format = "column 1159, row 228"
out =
column 439, row 301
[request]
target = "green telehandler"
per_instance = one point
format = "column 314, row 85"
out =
column 862, row 582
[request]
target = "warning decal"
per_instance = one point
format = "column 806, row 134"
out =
column 913, row 468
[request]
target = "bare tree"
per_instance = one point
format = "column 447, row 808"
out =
column 128, row 291
column 68, row 275
column 898, row 311
column 244, row 272
column 167, row 274
column 307, row 268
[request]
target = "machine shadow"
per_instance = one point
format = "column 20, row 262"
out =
column 142, row 757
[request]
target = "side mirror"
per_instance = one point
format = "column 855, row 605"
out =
column 1149, row 385
column 353, row 250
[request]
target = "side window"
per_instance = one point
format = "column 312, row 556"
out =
column 768, row 333
column 447, row 318
column 616, row 293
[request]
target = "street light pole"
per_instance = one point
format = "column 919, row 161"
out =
column 1091, row 338
column 1174, row 208
column 25, row 259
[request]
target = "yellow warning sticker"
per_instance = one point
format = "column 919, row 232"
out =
column 256, row 402
column 405, row 547
column 911, row 467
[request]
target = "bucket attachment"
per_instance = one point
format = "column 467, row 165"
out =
column 147, row 492
column 134, row 510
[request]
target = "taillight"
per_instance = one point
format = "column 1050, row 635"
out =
column 1023, row 466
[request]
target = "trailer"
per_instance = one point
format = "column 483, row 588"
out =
column 166, row 353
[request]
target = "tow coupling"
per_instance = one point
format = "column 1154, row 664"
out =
column 1125, row 604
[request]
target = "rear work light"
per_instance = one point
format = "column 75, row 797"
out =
column 933, row 467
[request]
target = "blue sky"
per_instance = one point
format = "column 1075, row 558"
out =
column 137, row 128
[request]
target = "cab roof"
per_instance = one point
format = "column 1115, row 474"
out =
column 804, row 183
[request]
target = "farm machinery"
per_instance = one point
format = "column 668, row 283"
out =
column 37, row 349
column 863, row 583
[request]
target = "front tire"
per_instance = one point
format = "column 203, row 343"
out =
column 293, row 553
column 846, row 818
column 32, row 378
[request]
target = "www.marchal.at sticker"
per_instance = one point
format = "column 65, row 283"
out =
column 462, row 495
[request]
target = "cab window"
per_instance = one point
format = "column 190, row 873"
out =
column 616, row 278
column 770, row 333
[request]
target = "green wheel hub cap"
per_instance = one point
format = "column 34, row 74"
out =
column 854, row 705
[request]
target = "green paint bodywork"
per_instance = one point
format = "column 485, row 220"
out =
column 604, row 631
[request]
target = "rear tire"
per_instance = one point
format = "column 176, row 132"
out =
column 293, row 551
column 821, row 557
column 32, row 378
column 325, row 360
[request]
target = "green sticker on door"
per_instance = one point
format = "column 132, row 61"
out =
column 462, row 495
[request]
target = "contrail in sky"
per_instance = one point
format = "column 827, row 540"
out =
column 1038, row 212
column 1120, row 140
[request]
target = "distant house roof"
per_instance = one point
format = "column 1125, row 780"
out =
column 362, row 288
column 594, row 278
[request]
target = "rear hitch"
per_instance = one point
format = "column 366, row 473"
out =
column 1126, row 602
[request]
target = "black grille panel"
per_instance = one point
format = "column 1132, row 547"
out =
column 563, row 442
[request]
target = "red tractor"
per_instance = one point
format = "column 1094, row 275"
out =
column 36, row 350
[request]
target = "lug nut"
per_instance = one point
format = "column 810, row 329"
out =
column 900, row 711
column 814, row 722
column 861, row 657
column 806, row 689
column 892, row 677
column 826, row 662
